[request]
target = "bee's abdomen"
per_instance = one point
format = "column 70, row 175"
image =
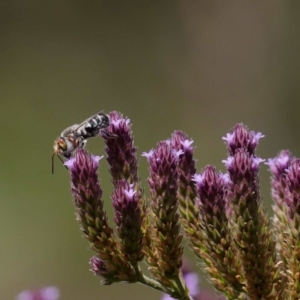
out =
column 93, row 126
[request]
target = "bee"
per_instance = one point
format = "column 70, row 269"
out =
column 76, row 136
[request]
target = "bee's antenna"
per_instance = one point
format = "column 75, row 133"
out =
column 53, row 162
column 59, row 159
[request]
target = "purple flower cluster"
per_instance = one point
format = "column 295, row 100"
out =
column 221, row 216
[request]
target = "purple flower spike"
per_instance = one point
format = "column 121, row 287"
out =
column 186, row 189
column 285, row 170
column 87, row 195
column 285, row 182
column 217, row 244
column 279, row 167
column 165, row 250
column 186, row 167
column 128, row 218
column 251, row 229
column 85, row 185
column 121, row 152
column 241, row 137
column 91, row 215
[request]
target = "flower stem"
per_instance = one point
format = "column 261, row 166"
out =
column 143, row 279
column 182, row 289
column 152, row 283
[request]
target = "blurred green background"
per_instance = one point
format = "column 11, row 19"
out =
column 199, row 66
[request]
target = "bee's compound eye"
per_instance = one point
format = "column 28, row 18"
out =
column 62, row 144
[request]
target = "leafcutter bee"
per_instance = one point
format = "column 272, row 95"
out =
column 76, row 136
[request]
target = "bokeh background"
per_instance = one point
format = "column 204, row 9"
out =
column 199, row 66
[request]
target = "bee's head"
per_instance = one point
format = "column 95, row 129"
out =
column 60, row 146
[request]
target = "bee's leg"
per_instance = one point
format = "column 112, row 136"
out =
column 108, row 135
column 66, row 156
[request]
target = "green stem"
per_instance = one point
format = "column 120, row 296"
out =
column 181, row 290
column 153, row 283
column 143, row 279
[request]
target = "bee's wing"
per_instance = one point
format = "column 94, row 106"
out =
column 89, row 127
column 69, row 130
column 85, row 121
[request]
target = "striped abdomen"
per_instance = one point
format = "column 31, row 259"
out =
column 92, row 126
